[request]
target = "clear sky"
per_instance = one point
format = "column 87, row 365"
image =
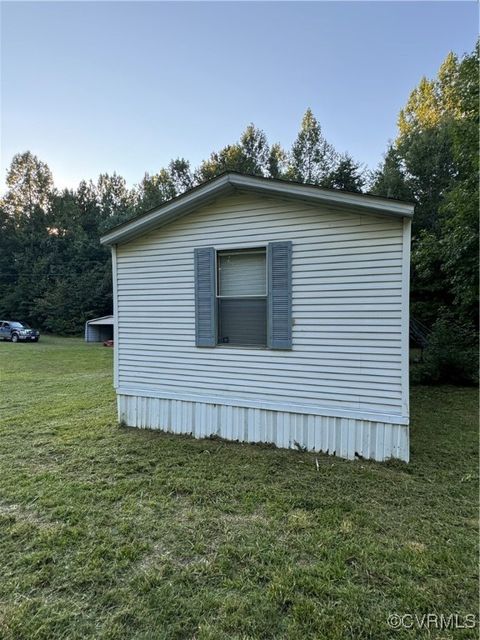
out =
column 95, row 87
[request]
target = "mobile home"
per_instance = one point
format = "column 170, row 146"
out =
column 261, row 310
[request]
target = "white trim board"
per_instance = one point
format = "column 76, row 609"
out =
column 115, row 316
column 262, row 404
column 405, row 370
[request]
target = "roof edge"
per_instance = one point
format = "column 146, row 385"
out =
column 231, row 181
column 110, row 315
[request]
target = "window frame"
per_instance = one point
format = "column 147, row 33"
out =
column 231, row 250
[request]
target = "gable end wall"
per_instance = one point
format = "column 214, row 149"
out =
column 349, row 299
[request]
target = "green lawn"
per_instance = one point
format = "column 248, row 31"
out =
column 109, row 532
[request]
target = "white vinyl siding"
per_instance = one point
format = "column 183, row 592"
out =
column 346, row 308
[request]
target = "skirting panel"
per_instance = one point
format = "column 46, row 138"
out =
column 344, row 437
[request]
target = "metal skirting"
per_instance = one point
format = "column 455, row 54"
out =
column 343, row 437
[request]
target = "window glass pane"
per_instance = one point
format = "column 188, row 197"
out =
column 242, row 322
column 242, row 274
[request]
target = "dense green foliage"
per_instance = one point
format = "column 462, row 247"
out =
column 434, row 162
column 55, row 274
column 450, row 357
column 53, row 271
column 120, row 534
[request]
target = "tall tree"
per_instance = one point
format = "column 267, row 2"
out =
column 250, row 156
column 389, row 179
column 459, row 237
column 312, row 158
column 26, row 207
column 78, row 271
column 86, row 200
column 181, row 175
column 29, row 187
column 434, row 161
column 422, row 110
column 154, row 190
column 9, row 246
column 230, row 158
column 254, row 146
column 346, row 175
column 277, row 161
column 115, row 201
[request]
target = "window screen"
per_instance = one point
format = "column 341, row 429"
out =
column 242, row 298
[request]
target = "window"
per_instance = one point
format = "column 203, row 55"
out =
column 242, row 297
column 234, row 304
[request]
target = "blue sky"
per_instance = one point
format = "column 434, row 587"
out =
column 117, row 86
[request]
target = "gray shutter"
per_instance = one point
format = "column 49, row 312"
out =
column 205, row 298
column 279, row 313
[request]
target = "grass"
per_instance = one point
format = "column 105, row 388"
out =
column 117, row 533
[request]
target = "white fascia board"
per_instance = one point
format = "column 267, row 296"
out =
column 167, row 212
column 229, row 182
column 313, row 194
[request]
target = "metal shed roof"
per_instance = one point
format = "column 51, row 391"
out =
column 102, row 320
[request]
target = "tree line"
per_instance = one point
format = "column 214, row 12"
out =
column 55, row 274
